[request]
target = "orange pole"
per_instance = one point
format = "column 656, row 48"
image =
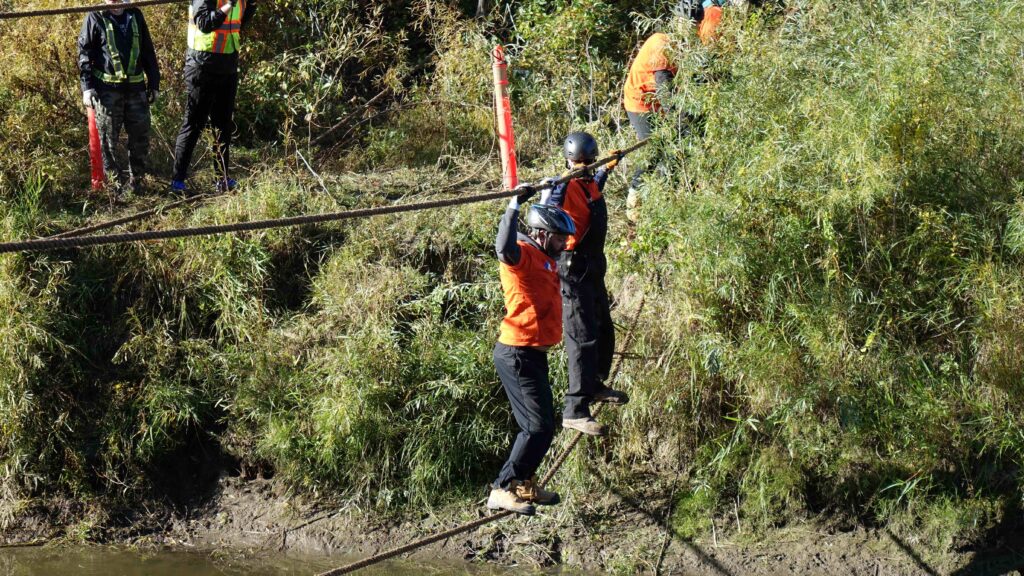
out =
column 503, row 114
column 95, row 157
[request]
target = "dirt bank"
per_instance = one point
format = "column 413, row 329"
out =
column 614, row 533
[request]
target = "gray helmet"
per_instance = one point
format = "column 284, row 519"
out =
column 550, row 218
column 580, row 147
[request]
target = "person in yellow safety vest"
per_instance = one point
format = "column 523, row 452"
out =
column 652, row 72
column 120, row 79
column 211, row 77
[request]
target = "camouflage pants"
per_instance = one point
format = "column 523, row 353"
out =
column 115, row 108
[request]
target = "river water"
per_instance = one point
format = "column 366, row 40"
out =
column 113, row 561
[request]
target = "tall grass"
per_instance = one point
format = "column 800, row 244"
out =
column 830, row 252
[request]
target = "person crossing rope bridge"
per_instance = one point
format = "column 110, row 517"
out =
column 532, row 325
column 586, row 312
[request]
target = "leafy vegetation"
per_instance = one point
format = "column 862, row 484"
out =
column 830, row 250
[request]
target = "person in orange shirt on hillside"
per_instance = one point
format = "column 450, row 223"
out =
column 532, row 325
column 651, row 73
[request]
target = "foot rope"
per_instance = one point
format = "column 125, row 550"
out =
column 382, row 556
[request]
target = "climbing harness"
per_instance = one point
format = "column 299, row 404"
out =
column 378, row 558
column 76, row 242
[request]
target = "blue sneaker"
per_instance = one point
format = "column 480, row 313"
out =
column 226, row 185
column 178, row 186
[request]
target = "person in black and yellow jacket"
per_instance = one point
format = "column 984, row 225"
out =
column 532, row 325
column 120, row 78
column 211, row 76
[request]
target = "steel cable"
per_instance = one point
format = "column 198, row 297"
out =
column 82, row 9
column 43, row 244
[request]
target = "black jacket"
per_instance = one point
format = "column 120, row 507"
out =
column 208, row 18
column 93, row 55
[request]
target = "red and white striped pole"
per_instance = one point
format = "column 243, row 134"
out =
column 503, row 114
column 95, row 155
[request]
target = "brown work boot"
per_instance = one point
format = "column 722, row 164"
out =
column 531, row 492
column 502, row 499
column 587, row 425
column 611, row 396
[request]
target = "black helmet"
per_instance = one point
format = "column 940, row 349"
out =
column 550, row 218
column 580, row 147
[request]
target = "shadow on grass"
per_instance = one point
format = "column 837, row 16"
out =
column 662, row 520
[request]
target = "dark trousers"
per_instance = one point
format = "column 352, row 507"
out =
column 117, row 108
column 210, row 98
column 641, row 123
column 524, row 375
column 589, row 335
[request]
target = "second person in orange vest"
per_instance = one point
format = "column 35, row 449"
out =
column 211, row 76
column 650, row 76
column 650, row 73
column 586, row 313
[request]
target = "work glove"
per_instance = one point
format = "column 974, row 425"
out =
column 152, row 96
column 525, row 192
column 87, row 98
column 226, row 8
column 618, row 156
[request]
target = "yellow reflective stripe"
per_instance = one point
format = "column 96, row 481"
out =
column 224, row 40
column 119, row 76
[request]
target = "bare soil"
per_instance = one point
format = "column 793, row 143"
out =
column 613, row 533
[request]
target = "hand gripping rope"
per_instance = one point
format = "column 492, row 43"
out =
column 81, row 9
column 77, row 242
column 377, row 558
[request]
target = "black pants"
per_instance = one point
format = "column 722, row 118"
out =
column 211, row 98
column 589, row 333
column 524, row 375
column 641, row 123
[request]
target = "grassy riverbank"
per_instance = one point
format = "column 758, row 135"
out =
column 830, row 253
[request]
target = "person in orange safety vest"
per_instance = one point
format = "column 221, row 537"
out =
column 652, row 72
column 586, row 311
column 532, row 325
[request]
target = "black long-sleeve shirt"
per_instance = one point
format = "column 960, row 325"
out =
column 506, row 245
column 207, row 17
column 93, row 54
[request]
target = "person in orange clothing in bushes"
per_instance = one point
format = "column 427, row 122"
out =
column 651, row 73
column 532, row 325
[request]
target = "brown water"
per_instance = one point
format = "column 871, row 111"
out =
column 113, row 561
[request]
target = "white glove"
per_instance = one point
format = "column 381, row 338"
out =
column 226, row 8
column 87, row 97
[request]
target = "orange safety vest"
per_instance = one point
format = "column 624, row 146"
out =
column 708, row 25
column 533, row 299
column 225, row 39
column 638, row 93
column 579, row 193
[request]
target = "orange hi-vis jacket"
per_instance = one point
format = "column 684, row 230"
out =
column 638, row 94
column 533, row 299
column 706, row 31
